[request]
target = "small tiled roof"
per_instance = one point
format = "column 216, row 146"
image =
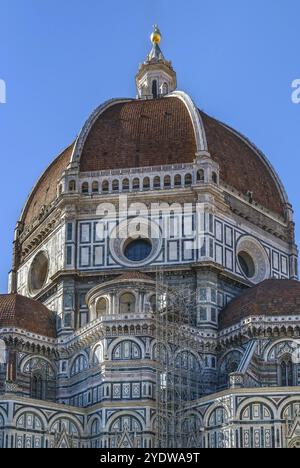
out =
column 133, row 275
column 21, row 312
column 269, row 298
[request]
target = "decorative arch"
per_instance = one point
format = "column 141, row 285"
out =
column 33, row 411
column 81, row 360
column 95, row 425
column 211, row 409
column 97, row 354
column 289, row 401
column 110, row 421
column 252, row 401
column 61, row 419
column 270, row 348
column 27, row 359
column 126, row 350
column 127, row 302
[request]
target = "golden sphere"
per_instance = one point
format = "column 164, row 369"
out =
column 156, row 36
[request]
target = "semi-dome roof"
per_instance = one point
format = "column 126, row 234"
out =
column 21, row 312
column 140, row 133
column 269, row 298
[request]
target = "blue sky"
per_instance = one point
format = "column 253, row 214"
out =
column 61, row 58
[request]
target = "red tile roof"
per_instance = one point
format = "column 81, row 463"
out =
column 143, row 133
column 21, row 312
column 270, row 298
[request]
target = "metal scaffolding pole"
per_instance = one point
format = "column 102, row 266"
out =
column 178, row 376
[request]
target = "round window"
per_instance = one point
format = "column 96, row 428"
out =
column 247, row 264
column 252, row 259
column 38, row 272
column 138, row 250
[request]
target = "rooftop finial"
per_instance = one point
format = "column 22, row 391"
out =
column 156, row 35
column 156, row 77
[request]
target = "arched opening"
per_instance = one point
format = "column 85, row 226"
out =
column 125, row 185
column 85, row 188
column 115, row 186
column 38, row 387
column 105, row 186
column 188, row 180
column 146, row 183
column 136, row 184
column 95, row 187
column 214, row 178
column 154, row 89
column 167, row 182
column 165, row 89
column 127, row 303
column 200, row 175
column 286, row 377
column 72, row 186
column 177, row 181
column 156, row 183
column 101, row 307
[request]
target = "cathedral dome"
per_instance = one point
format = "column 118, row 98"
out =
column 21, row 312
column 126, row 134
column 273, row 297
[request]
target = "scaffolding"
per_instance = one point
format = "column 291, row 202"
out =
column 178, row 371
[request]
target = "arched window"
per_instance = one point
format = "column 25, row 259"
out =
column 96, row 427
column 165, row 89
column 115, row 186
column 95, row 187
column 200, row 175
column 154, row 89
column 125, row 432
column 136, row 184
column 214, row 178
column 98, row 355
column 127, row 303
column 156, row 182
column 105, row 186
column 146, row 183
column 286, row 372
column 167, row 182
column 188, row 180
column 101, row 308
column 85, row 188
column 125, row 185
column 38, row 387
column 177, row 181
column 72, row 186
column 126, row 350
column 80, row 364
